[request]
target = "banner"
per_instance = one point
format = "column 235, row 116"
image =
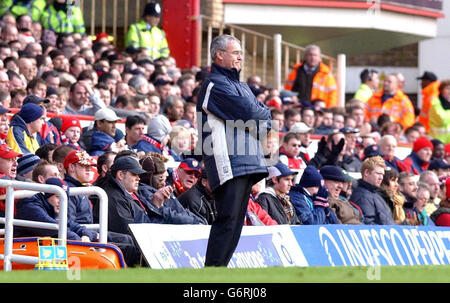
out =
column 177, row 246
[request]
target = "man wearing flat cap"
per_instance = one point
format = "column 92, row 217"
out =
column 334, row 179
column 147, row 34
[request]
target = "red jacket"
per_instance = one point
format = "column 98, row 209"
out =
column 263, row 216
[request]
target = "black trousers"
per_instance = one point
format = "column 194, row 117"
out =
column 231, row 199
column 130, row 251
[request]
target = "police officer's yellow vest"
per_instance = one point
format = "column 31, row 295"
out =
column 33, row 8
column 152, row 38
column 61, row 22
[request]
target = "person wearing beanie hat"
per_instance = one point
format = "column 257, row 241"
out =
column 44, row 207
column 71, row 131
column 146, row 33
column 163, row 207
column 274, row 199
column 334, row 179
column 24, row 127
column 419, row 158
column 25, row 166
column 310, row 199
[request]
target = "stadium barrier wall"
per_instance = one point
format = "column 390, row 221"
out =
column 178, row 246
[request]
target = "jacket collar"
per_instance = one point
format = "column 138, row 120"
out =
column 367, row 185
column 231, row 73
column 72, row 180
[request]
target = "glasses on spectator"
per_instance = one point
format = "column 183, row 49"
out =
column 192, row 172
column 236, row 53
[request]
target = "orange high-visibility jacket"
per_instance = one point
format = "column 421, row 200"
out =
column 399, row 108
column 429, row 92
column 324, row 85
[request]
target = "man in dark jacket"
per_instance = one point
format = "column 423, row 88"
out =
column 158, row 198
column 45, row 208
column 199, row 200
column 232, row 120
column 78, row 166
column 121, row 185
column 275, row 199
column 366, row 195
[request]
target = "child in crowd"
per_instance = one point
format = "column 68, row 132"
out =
column 71, row 131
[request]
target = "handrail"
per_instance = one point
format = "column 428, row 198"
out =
column 28, row 189
column 278, row 55
column 8, row 256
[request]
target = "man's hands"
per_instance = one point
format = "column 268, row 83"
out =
column 162, row 195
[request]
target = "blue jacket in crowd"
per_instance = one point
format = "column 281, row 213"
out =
column 230, row 151
column 80, row 208
column 171, row 212
column 307, row 212
column 36, row 208
column 374, row 208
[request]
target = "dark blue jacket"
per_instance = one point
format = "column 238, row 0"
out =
column 172, row 212
column 375, row 209
column 36, row 208
column 307, row 212
column 80, row 208
column 229, row 150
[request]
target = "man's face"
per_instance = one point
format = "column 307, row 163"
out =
column 188, row 87
column 79, row 96
column 358, row 116
column 412, row 136
column 305, row 139
column 375, row 82
column 283, row 184
column 176, row 111
column 129, row 181
column 188, row 177
column 191, row 114
column 390, row 84
column 108, row 127
column 423, row 197
column 312, row 58
column 334, row 187
column 40, row 90
column 439, row 151
column 291, row 121
column 8, row 167
column 82, row 173
column 54, row 201
column 4, row 81
column 327, row 119
column 135, row 132
column 388, row 146
column 338, row 121
column 308, row 117
column 52, row 106
column 58, row 62
column 292, row 147
column 375, row 176
column 164, row 91
column 433, row 183
column 154, row 105
column 408, row 186
column 231, row 57
column 36, row 125
column 425, row 154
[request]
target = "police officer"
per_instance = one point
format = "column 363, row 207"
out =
column 147, row 34
column 63, row 18
column 33, row 8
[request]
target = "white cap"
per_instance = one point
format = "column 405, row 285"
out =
column 106, row 114
column 301, row 128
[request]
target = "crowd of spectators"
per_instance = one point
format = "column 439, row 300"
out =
column 62, row 96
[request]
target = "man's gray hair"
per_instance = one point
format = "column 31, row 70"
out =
column 220, row 43
column 311, row 47
column 137, row 81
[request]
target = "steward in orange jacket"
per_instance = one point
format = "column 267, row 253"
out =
column 323, row 85
column 398, row 107
column 429, row 92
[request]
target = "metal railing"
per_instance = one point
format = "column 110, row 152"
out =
column 257, row 46
column 29, row 189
